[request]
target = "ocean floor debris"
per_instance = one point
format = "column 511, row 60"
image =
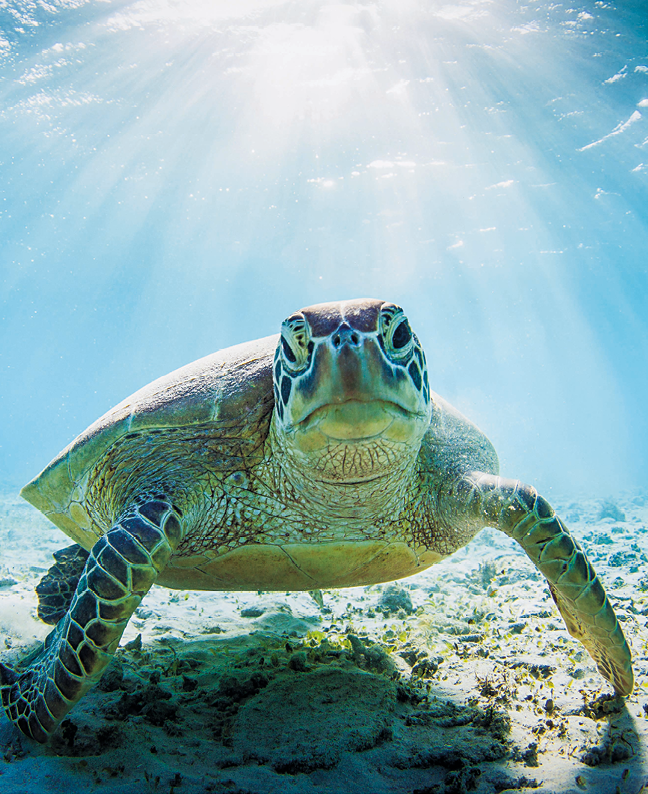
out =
column 460, row 679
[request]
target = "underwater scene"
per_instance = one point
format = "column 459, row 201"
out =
column 463, row 185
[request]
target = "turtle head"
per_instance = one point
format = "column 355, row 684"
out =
column 351, row 390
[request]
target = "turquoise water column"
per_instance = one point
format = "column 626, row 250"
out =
column 177, row 177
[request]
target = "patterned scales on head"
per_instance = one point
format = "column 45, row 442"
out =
column 317, row 458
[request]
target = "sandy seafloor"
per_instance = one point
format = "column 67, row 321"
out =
column 461, row 679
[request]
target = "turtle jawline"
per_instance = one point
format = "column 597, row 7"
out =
column 308, row 419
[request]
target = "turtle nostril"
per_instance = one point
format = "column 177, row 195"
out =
column 345, row 336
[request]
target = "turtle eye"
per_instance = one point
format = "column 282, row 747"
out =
column 396, row 332
column 295, row 339
column 287, row 351
column 402, row 335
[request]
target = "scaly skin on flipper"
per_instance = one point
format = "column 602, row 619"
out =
column 520, row 512
column 119, row 572
column 56, row 589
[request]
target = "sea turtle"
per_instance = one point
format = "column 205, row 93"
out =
column 316, row 458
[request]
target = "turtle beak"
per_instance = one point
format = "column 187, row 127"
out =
column 349, row 367
column 348, row 379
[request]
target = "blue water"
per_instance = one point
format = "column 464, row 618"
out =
column 176, row 177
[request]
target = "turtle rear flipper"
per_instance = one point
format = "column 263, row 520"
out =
column 56, row 589
column 520, row 512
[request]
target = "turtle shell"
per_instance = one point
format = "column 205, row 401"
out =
column 230, row 387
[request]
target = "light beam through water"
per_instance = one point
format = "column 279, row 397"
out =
column 179, row 176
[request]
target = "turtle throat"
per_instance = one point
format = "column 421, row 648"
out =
column 362, row 473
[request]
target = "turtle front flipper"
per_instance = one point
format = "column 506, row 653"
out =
column 520, row 512
column 120, row 570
